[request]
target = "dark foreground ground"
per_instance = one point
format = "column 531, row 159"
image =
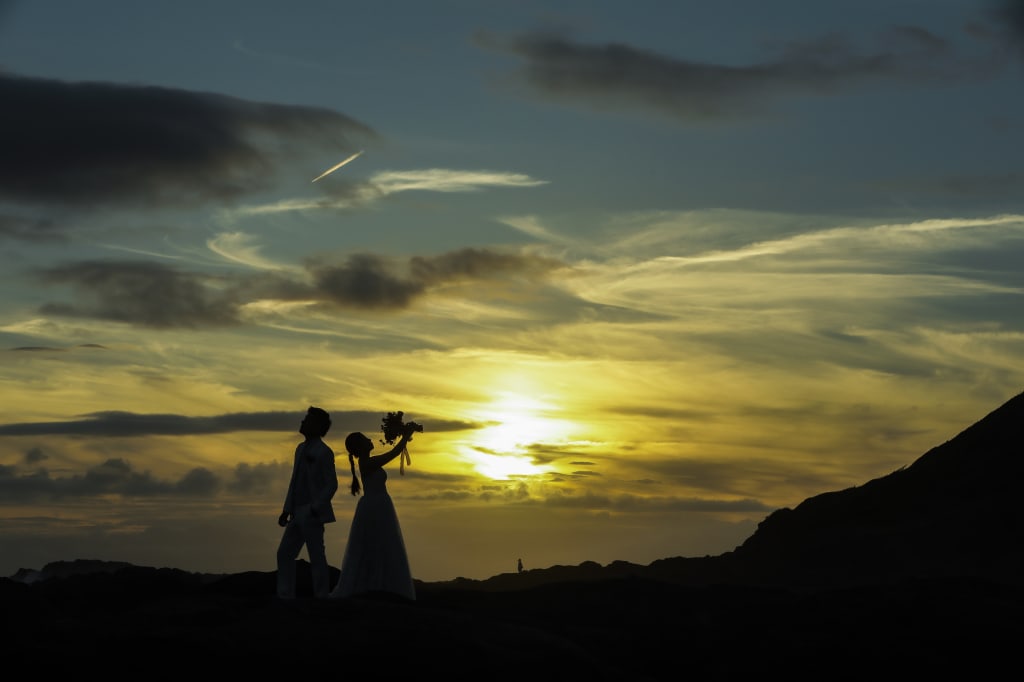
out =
column 163, row 624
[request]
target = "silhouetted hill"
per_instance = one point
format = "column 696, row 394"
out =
column 954, row 512
column 166, row 624
column 64, row 569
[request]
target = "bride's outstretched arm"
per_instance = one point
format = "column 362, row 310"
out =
column 385, row 457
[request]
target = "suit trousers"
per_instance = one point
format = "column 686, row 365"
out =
column 307, row 529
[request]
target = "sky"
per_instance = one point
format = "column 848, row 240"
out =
column 645, row 271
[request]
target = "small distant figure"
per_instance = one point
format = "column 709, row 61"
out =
column 519, row 566
column 307, row 507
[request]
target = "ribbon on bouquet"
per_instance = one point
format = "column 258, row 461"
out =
column 403, row 458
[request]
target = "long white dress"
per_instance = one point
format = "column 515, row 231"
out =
column 375, row 559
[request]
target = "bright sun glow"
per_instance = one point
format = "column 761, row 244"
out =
column 500, row 467
column 501, row 450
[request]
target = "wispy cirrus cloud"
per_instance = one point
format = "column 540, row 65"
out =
column 445, row 180
column 351, row 194
column 934, row 235
column 242, row 248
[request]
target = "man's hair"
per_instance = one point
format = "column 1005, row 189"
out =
column 322, row 418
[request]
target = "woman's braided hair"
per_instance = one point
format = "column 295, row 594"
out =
column 351, row 444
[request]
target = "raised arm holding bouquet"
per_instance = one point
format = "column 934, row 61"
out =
column 375, row 559
column 393, row 427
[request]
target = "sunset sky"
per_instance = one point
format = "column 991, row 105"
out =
column 646, row 271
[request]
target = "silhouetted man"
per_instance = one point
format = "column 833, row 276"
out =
column 307, row 507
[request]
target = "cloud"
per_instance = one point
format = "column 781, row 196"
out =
column 87, row 143
column 637, row 503
column 1010, row 15
column 342, row 193
column 446, row 180
column 158, row 296
column 29, row 229
column 130, row 424
column 620, row 75
column 1011, row 12
column 531, row 226
column 477, row 264
column 136, row 292
column 114, row 476
column 257, row 478
column 365, row 282
column 242, row 248
column 670, row 234
column 199, row 482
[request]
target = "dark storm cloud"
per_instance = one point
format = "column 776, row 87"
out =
column 119, row 477
column 198, row 482
column 257, row 478
column 155, row 295
column 615, row 74
column 132, row 424
column 367, row 281
column 1009, row 17
column 142, row 293
column 475, row 264
column 125, row 424
column 1011, row 14
column 89, row 142
column 52, row 349
column 112, row 477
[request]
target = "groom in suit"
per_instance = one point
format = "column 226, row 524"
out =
column 307, row 507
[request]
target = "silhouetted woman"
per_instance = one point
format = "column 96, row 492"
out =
column 375, row 559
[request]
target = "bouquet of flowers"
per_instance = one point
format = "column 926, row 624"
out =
column 393, row 425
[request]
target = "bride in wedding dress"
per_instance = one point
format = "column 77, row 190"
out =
column 375, row 559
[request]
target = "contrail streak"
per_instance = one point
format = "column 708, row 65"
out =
column 337, row 166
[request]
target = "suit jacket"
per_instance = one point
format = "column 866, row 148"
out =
column 322, row 477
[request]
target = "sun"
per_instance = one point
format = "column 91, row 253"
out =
column 517, row 422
